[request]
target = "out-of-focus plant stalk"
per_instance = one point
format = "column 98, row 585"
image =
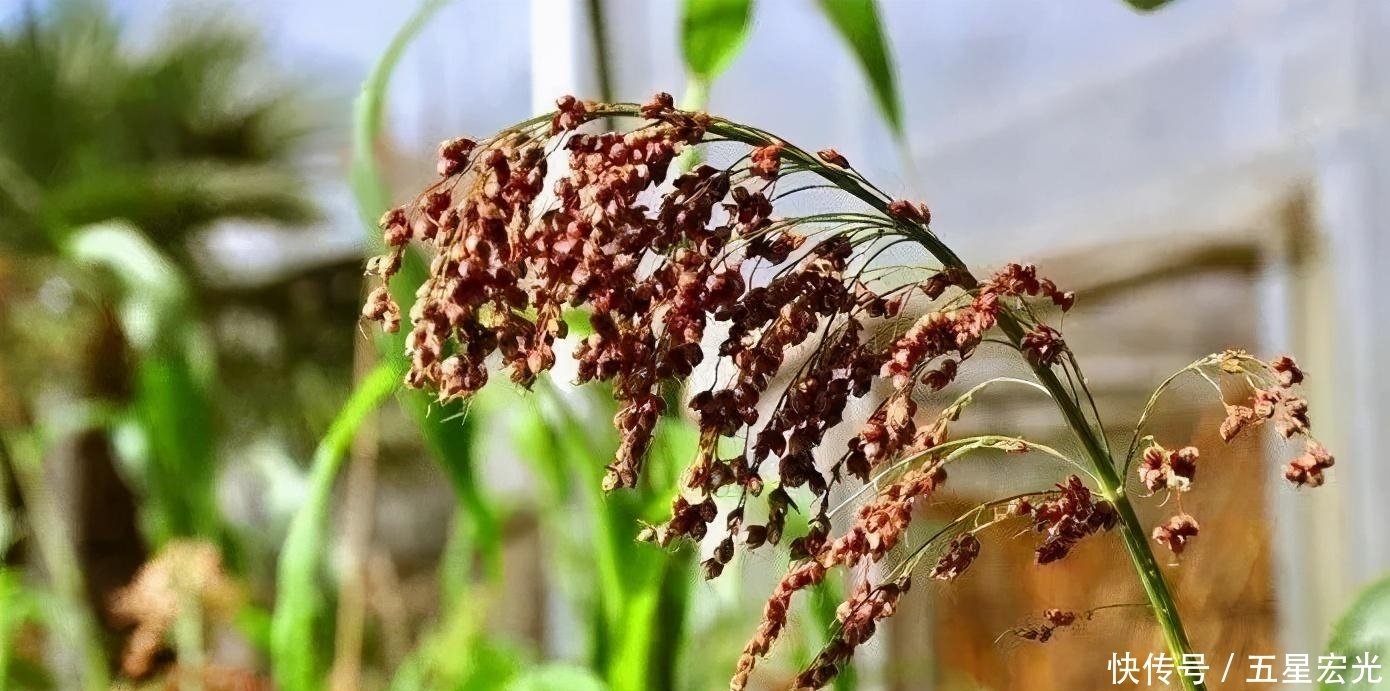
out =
column 447, row 445
column 598, row 34
column 358, row 511
column 188, row 641
column 696, row 95
column 293, row 656
column 73, row 622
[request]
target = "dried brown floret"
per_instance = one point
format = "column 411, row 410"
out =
column 1068, row 518
column 661, row 104
column 833, row 157
column 960, row 554
column 453, row 155
column 1176, row 532
column 1286, row 370
column 1308, row 468
column 1043, row 345
column 767, row 160
column 1161, row 468
column 912, row 212
column 1238, row 419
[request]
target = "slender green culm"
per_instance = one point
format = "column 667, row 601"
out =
column 449, row 441
column 295, row 660
column 73, row 624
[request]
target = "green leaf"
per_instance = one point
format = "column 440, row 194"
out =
column 173, row 411
column 557, row 677
column 14, row 611
column 712, row 34
column 858, row 24
column 93, row 131
column 1147, row 5
column 459, row 654
column 298, row 599
column 170, row 417
column 446, row 428
column 1363, row 630
column 368, row 187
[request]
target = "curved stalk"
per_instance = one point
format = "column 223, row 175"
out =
column 1089, row 432
column 1111, row 485
column 294, row 662
column 1132, row 532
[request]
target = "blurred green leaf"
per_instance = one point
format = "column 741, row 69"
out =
column 155, row 293
column 14, row 610
column 294, row 657
column 445, row 428
column 1147, row 5
column 164, row 137
column 459, row 655
column 556, row 677
column 857, row 22
column 196, row 193
column 368, row 187
column 253, row 623
column 1363, row 630
column 712, row 34
column 636, row 595
column 171, row 412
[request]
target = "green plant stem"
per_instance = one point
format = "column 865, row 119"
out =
column 1132, row 532
column 598, row 33
column 293, row 658
column 73, row 623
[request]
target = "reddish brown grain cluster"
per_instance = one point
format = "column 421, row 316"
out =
column 1276, row 401
column 1161, row 468
column 858, row 619
column 672, row 270
column 1066, row 519
column 960, row 554
column 878, row 527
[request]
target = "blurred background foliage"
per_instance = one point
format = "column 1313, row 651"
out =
column 124, row 391
column 128, row 380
